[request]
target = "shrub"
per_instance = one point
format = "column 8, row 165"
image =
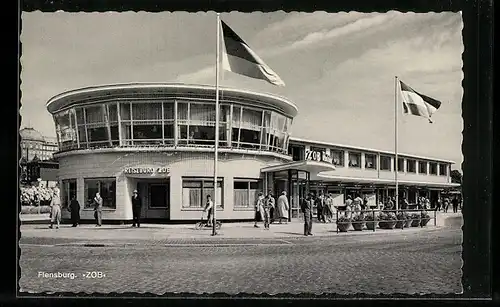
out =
column 390, row 216
column 343, row 219
column 358, row 218
column 35, row 209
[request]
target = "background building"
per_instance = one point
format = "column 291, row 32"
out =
column 37, row 161
column 159, row 139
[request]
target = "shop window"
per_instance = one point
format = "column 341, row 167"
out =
column 385, row 163
column 443, row 169
column 401, row 165
column 370, row 161
column 195, row 191
column 147, row 132
column 354, row 159
column 298, row 152
column 422, row 167
column 68, row 191
column 411, row 166
column 337, row 157
column 245, row 192
column 433, row 168
column 105, row 186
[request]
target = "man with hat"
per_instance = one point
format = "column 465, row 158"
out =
column 136, row 209
column 307, row 206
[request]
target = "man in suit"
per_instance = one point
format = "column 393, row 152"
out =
column 136, row 209
column 307, row 206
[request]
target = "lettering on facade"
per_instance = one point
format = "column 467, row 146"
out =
column 146, row 170
column 320, row 156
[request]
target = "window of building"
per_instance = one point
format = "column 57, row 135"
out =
column 443, row 169
column 411, row 166
column 337, row 157
column 96, row 125
column 195, row 191
column 385, row 163
column 422, row 167
column 370, row 161
column 354, row 159
column 297, row 152
column 68, row 191
column 433, row 168
column 401, row 165
column 105, row 186
column 250, row 130
column 245, row 192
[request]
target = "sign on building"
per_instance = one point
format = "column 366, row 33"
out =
column 320, row 156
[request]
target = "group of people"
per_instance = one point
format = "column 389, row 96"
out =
column 444, row 204
column 269, row 211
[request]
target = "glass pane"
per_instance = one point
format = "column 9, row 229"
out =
column 201, row 113
column 108, row 193
column 236, row 116
column 182, row 111
column 124, row 111
column 241, row 185
column 97, row 134
column 113, row 113
column 252, row 119
column 147, row 131
column 91, row 188
column 79, row 116
column 169, row 131
column 146, row 111
column 94, row 114
column 224, row 110
column 168, row 110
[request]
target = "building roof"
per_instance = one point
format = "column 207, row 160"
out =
column 94, row 93
column 364, row 149
column 30, row 134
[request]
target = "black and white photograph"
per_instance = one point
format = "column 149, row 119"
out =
column 261, row 152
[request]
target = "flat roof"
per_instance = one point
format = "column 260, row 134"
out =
column 365, row 149
column 76, row 96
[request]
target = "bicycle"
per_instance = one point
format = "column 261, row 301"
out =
column 204, row 224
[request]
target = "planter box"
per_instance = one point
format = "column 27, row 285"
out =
column 415, row 223
column 387, row 224
column 370, row 225
column 344, row 226
column 424, row 221
column 407, row 223
column 399, row 224
column 358, row 226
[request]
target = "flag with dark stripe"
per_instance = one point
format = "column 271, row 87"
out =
column 239, row 58
column 418, row 104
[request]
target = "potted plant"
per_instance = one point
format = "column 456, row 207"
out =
column 358, row 222
column 387, row 220
column 415, row 219
column 408, row 220
column 425, row 218
column 370, row 221
column 343, row 223
column 402, row 218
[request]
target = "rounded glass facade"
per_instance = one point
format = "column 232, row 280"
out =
column 136, row 123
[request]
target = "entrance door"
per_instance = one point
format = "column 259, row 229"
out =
column 299, row 192
column 158, row 195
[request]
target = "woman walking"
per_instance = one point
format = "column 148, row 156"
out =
column 282, row 208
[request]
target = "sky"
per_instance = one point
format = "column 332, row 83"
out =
column 339, row 68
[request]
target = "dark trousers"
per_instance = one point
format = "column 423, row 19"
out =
column 320, row 215
column 98, row 217
column 271, row 214
column 136, row 213
column 307, row 223
column 455, row 208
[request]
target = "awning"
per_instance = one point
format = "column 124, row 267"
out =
column 313, row 167
column 374, row 181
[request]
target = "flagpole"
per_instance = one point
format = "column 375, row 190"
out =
column 396, row 164
column 216, row 151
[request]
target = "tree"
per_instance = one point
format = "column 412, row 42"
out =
column 456, row 176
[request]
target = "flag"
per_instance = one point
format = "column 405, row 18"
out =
column 418, row 104
column 239, row 58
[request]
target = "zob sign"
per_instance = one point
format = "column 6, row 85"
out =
column 146, row 170
column 319, row 156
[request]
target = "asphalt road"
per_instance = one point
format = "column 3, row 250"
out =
column 425, row 262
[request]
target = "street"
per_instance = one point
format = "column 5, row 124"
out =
column 424, row 262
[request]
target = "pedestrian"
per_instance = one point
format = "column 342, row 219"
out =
column 209, row 209
column 259, row 209
column 348, row 203
column 390, row 204
column 98, row 209
column 438, row 204
column 136, row 209
column 454, row 203
column 318, row 202
column 74, row 209
column 364, row 205
column 270, row 202
column 356, row 204
column 427, row 204
column 268, row 205
column 446, row 204
column 282, row 207
column 55, row 212
column 328, row 208
column 307, row 206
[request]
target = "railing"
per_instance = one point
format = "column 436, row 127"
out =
column 384, row 219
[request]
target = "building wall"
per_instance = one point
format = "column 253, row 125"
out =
column 180, row 164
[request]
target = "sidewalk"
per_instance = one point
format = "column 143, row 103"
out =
column 175, row 232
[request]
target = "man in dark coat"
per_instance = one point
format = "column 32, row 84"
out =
column 74, row 208
column 307, row 207
column 136, row 209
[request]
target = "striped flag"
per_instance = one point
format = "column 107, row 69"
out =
column 418, row 104
column 239, row 58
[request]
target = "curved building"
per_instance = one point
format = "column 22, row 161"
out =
column 159, row 139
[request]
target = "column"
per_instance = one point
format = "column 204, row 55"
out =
column 346, row 158
column 363, row 159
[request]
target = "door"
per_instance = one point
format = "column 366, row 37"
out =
column 158, row 196
column 299, row 192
